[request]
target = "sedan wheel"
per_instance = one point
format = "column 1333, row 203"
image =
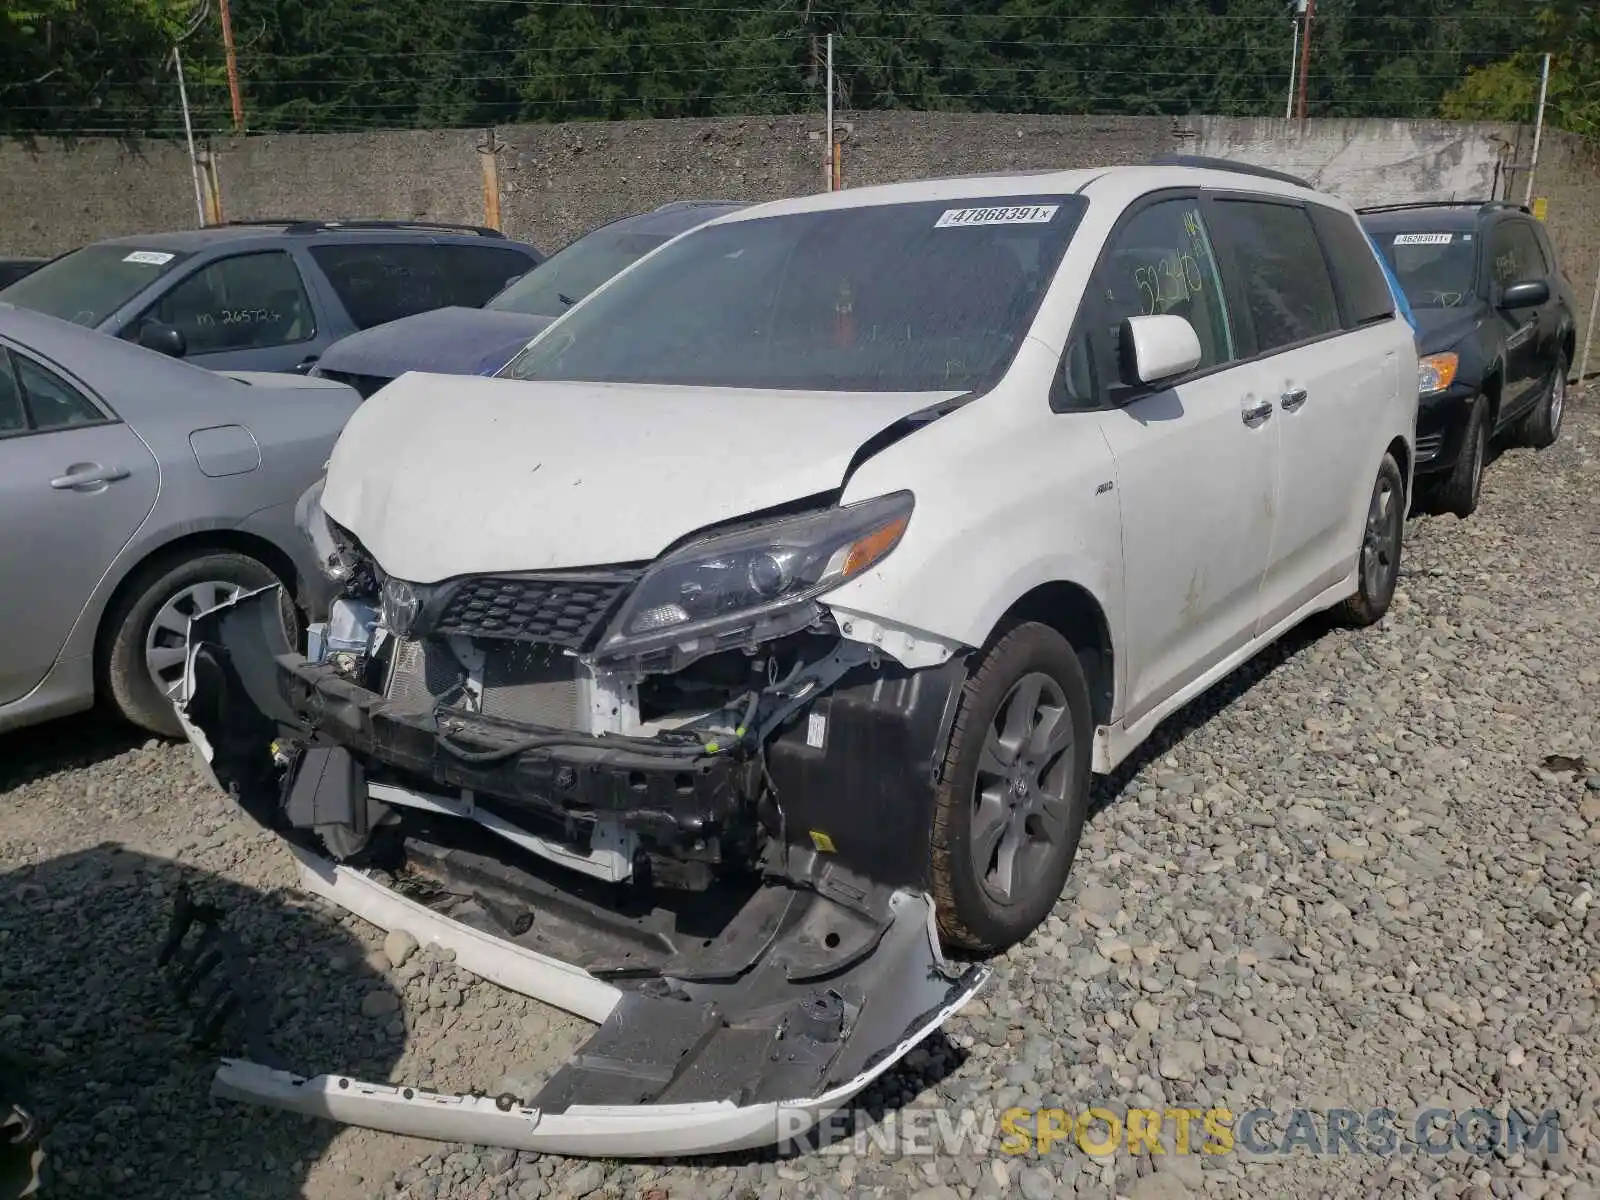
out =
column 144, row 636
column 166, row 645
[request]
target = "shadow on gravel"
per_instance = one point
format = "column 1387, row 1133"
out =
column 67, row 743
column 121, row 1093
column 1105, row 790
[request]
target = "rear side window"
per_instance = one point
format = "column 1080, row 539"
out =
column 378, row 283
column 1280, row 271
column 1363, row 291
column 472, row 274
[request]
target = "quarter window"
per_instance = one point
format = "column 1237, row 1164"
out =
column 244, row 302
column 51, row 401
column 1282, row 274
column 1161, row 262
column 13, row 419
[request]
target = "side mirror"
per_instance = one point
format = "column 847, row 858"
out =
column 163, row 339
column 1527, row 294
column 1157, row 347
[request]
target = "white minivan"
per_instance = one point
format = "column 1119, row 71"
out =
column 775, row 604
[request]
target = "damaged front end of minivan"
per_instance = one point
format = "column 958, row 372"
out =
column 676, row 799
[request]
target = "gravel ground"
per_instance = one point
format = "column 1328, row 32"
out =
column 1360, row 874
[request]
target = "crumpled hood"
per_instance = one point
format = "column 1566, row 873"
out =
column 449, row 341
column 1439, row 329
column 440, row 476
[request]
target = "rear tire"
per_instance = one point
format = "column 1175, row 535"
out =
column 146, row 627
column 1463, row 488
column 1014, row 791
column 1542, row 426
column 1383, row 535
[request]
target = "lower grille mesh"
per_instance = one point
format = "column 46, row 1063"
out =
column 527, row 684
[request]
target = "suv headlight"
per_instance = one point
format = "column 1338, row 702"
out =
column 744, row 583
column 1435, row 372
column 336, row 555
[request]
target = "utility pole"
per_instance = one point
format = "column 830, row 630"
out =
column 188, row 133
column 1305, row 54
column 1538, row 129
column 1296, row 7
column 827, row 156
column 233, row 66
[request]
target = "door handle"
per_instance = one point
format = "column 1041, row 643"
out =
column 93, row 474
column 1255, row 414
column 1294, row 399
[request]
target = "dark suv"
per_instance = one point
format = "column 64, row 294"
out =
column 269, row 295
column 1495, row 332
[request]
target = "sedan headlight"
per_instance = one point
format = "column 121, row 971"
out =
column 337, row 557
column 739, row 586
column 1435, row 372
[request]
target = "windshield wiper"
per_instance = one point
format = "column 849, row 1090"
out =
column 565, row 299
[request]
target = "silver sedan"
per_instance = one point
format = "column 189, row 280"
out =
column 135, row 491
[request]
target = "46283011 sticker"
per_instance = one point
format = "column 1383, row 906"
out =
column 1423, row 239
column 1017, row 214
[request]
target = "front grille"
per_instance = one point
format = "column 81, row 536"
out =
column 528, row 684
column 1429, row 445
column 567, row 611
column 364, row 385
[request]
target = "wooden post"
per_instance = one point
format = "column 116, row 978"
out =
column 488, row 151
column 233, row 67
column 1305, row 55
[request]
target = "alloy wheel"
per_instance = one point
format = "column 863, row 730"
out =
column 1020, row 807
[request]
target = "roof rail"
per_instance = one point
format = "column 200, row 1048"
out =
column 1226, row 164
column 680, row 205
column 1411, row 204
column 301, row 225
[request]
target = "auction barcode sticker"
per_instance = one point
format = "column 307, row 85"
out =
column 1423, row 239
column 1025, row 214
column 151, row 258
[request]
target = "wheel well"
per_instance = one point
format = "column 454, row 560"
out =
column 1077, row 616
column 1491, row 392
column 1402, row 456
column 1569, row 346
column 189, row 546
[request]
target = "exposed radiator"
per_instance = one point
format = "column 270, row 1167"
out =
column 529, row 684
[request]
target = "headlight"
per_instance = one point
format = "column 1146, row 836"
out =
column 1435, row 372
column 336, row 557
column 729, row 587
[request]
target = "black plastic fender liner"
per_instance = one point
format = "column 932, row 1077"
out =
column 856, row 774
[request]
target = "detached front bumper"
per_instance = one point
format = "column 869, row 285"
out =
column 813, row 986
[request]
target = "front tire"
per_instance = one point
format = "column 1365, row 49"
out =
column 1463, row 488
column 144, row 661
column 1014, row 793
column 1540, row 428
column 1383, row 534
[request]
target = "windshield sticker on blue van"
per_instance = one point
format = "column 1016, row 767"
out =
column 1423, row 239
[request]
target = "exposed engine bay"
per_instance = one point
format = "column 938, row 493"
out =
column 723, row 839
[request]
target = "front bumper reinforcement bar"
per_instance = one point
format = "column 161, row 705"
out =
column 737, row 1040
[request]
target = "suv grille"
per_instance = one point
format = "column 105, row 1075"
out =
column 567, row 611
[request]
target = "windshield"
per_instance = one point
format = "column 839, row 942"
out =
column 90, row 284
column 931, row 296
column 1435, row 270
column 574, row 271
